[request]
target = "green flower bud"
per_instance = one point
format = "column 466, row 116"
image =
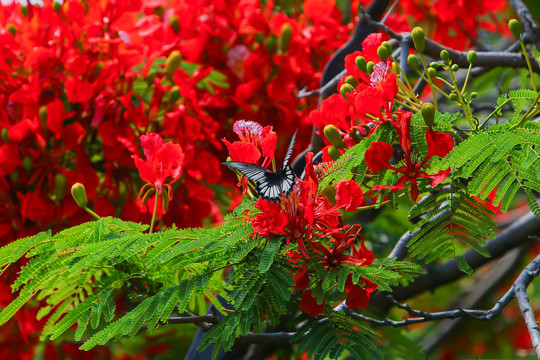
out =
column 43, row 116
column 271, row 44
column 27, row 163
column 285, row 37
column 369, row 67
column 14, row 177
column 330, row 192
column 382, row 53
column 515, row 28
column 175, row 24
column 471, row 57
column 474, row 95
column 388, row 47
column 152, row 74
column 57, row 6
column 24, row 10
column 345, row 88
column 351, row 80
column 455, row 67
column 60, row 184
column 432, row 72
column 435, row 65
column 361, row 63
column 428, row 113
column 419, row 37
column 413, row 61
column 454, row 97
column 79, row 194
column 332, row 134
column 5, row 135
column 334, row 153
column 174, row 95
column 445, row 55
column 356, row 136
column 172, row 63
column 11, row 29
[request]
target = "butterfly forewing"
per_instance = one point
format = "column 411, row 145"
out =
column 270, row 186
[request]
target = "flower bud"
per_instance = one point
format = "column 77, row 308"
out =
column 330, row 192
column 79, row 194
column 428, row 113
column 24, row 10
column 60, row 184
column 27, row 163
column 432, row 72
column 474, row 95
column 515, row 27
column 361, row 63
column 175, row 24
column 418, row 37
column 152, row 74
column 11, row 29
column 369, row 67
column 15, row 177
column 382, row 53
column 471, row 57
column 172, row 63
column 332, row 134
column 455, row 67
column 285, row 37
column 333, row 152
column 435, row 65
column 388, row 47
column 174, row 95
column 43, row 116
column 57, row 6
column 345, row 89
column 453, row 96
column 271, row 44
column 413, row 61
column 445, row 55
column 351, row 80
column 5, row 135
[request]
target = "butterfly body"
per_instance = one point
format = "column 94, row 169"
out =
column 271, row 186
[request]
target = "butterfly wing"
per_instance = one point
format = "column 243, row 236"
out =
column 289, row 151
column 270, row 186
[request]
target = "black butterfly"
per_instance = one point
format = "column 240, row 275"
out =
column 270, row 185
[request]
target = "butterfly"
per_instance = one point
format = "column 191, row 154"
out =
column 271, row 186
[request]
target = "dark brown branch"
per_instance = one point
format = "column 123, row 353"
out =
column 488, row 59
column 507, row 239
column 520, row 289
column 268, row 338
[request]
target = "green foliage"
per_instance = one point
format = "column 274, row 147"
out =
column 448, row 215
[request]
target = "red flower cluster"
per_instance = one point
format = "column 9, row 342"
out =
column 379, row 153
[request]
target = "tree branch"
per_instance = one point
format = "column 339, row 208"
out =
column 520, row 289
column 509, row 238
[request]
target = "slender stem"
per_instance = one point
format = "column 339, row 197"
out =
column 528, row 62
column 154, row 214
column 92, row 213
column 429, row 80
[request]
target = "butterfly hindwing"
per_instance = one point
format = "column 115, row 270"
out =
column 270, row 186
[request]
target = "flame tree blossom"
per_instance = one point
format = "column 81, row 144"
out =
column 379, row 153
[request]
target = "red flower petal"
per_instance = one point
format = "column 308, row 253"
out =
column 309, row 305
column 78, row 90
column 439, row 143
column 244, row 152
column 349, row 195
column 377, row 156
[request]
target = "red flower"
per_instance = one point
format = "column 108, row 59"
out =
column 271, row 221
column 252, row 138
column 162, row 161
column 78, row 90
column 379, row 153
column 358, row 296
column 309, row 305
column 349, row 195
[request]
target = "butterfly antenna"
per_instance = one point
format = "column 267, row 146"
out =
column 289, row 151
